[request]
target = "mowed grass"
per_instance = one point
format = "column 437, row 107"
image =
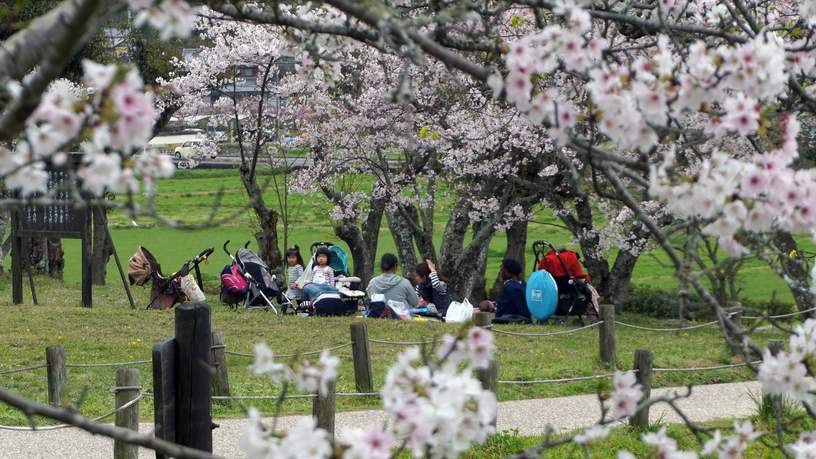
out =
column 190, row 197
column 112, row 332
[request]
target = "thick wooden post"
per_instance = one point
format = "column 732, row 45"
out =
column 361, row 356
column 489, row 377
column 127, row 389
column 164, row 391
column 57, row 376
column 193, row 398
column 643, row 367
column 323, row 407
column 218, row 359
column 606, row 334
column 482, row 319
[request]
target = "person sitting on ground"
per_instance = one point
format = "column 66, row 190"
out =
column 392, row 287
column 322, row 277
column 432, row 288
column 511, row 306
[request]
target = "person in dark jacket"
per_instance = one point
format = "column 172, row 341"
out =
column 432, row 288
column 511, row 306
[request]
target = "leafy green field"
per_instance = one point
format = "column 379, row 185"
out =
column 189, row 198
column 112, row 332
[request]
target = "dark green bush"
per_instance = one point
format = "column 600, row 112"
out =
column 663, row 304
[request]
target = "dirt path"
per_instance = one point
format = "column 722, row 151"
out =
column 529, row 417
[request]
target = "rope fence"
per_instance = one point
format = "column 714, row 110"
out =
column 108, row 365
column 676, row 329
column 65, row 426
column 402, row 343
column 246, row 354
column 558, row 333
column 781, row 316
column 21, row 370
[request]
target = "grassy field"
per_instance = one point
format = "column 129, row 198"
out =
column 111, row 332
column 189, row 198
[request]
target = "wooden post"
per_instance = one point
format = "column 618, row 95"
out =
column 361, row 356
column 482, row 319
column 606, row 334
column 323, row 407
column 18, row 260
column 193, row 398
column 127, row 389
column 489, row 377
column 643, row 367
column 218, row 359
column 164, row 391
column 87, row 285
column 57, row 376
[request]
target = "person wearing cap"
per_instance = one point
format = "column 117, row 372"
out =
column 512, row 302
column 392, row 286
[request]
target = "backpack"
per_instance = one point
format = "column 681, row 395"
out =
column 233, row 285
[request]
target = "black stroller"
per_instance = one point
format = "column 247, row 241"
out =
column 247, row 280
column 575, row 294
column 166, row 291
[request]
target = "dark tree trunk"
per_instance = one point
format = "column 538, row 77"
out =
column 404, row 241
column 267, row 236
column 102, row 246
column 46, row 256
column 4, row 220
column 620, row 278
column 362, row 240
column 516, row 249
column 453, row 239
column 796, row 271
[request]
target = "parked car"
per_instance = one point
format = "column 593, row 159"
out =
column 196, row 149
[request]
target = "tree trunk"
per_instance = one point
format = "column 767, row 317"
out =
column 46, row 256
column 102, row 246
column 795, row 270
column 620, row 278
column 516, row 249
column 4, row 220
column 267, row 237
column 404, row 241
column 453, row 239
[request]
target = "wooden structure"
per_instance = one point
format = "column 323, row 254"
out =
column 60, row 218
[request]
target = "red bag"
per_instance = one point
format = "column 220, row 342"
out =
column 233, row 282
column 563, row 263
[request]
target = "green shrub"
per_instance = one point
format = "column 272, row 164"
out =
column 663, row 304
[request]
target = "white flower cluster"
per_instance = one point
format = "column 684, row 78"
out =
column 172, row 18
column 627, row 394
column 663, row 445
column 786, row 373
column 437, row 409
column 114, row 113
column 731, row 447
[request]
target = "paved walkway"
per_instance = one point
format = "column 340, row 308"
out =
column 529, row 417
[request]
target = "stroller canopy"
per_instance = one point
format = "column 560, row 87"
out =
column 141, row 266
column 339, row 260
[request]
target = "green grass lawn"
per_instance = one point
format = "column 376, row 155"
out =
column 112, row 332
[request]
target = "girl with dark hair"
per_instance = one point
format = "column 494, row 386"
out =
column 294, row 269
column 432, row 288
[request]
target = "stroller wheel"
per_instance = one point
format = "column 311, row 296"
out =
column 562, row 322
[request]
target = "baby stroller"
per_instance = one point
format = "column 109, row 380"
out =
column 166, row 291
column 247, row 280
column 342, row 300
column 576, row 297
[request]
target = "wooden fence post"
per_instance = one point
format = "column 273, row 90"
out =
column 127, row 389
column 164, row 391
column 482, row 319
column 218, row 359
column 643, row 367
column 323, row 407
column 57, row 376
column 606, row 334
column 193, row 398
column 361, row 356
column 489, row 377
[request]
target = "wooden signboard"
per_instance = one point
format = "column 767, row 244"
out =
column 60, row 218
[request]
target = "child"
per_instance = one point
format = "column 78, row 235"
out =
column 323, row 273
column 511, row 306
column 432, row 288
column 294, row 270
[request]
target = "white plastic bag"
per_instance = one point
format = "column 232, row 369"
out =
column 459, row 312
column 191, row 288
column 400, row 309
